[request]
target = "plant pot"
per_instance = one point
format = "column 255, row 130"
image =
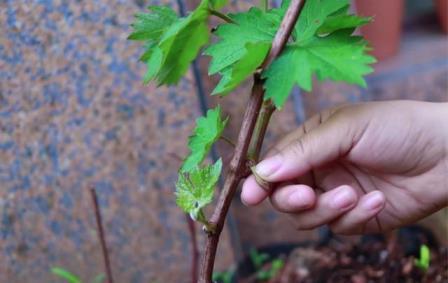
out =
column 366, row 260
column 384, row 32
column 442, row 14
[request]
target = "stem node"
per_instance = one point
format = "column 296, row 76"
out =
column 209, row 228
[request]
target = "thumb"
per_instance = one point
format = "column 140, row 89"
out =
column 325, row 143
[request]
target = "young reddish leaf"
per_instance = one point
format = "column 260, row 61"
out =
column 194, row 190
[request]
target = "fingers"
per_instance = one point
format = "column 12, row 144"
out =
column 340, row 207
column 306, row 127
column 252, row 193
column 324, row 144
column 328, row 207
column 293, row 198
column 353, row 222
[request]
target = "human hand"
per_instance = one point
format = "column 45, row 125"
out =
column 362, row 168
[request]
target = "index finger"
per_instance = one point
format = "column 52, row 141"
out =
column 252, row 193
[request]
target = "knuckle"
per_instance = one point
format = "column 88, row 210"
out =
column 325, row 115
column 298, row 147
column 308, row 125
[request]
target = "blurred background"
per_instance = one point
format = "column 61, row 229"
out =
column 74, row 113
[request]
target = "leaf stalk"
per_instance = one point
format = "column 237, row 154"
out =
column 267, row 109
column 227, row 140
column 101, row 235
column 264, row 5
column 220, row 15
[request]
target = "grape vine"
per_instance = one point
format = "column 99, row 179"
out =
column 277, row 49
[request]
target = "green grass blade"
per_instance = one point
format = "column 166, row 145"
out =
column 67, row 275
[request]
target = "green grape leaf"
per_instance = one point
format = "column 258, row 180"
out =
column 194, row 190
column 154, row 63
column 208, row 129
column 313, row 15
column 322, row 45
column 151, row 26
column 181, row 44
column 256, row 29
column 64, row 274
column 242, row 69
column 290, row 68
column 172, row 43
column 339, row 57
column 253, row 26
column 253, row 29
column 342, row 20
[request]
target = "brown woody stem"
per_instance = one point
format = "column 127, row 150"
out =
column 238, row 165
column 194, row 249
column 260, row 130
column 101, row 236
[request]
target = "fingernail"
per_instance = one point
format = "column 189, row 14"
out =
column 268, row 166
column 374, row 201
column 344, row 198
column 297, row 201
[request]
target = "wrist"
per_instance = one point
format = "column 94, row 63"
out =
column 445, row 119
column 444, row 122
column 437, row 121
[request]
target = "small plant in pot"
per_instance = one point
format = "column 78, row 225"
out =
column 417, row 257
column 277, row 48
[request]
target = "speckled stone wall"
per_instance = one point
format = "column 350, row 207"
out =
column 74, row 113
